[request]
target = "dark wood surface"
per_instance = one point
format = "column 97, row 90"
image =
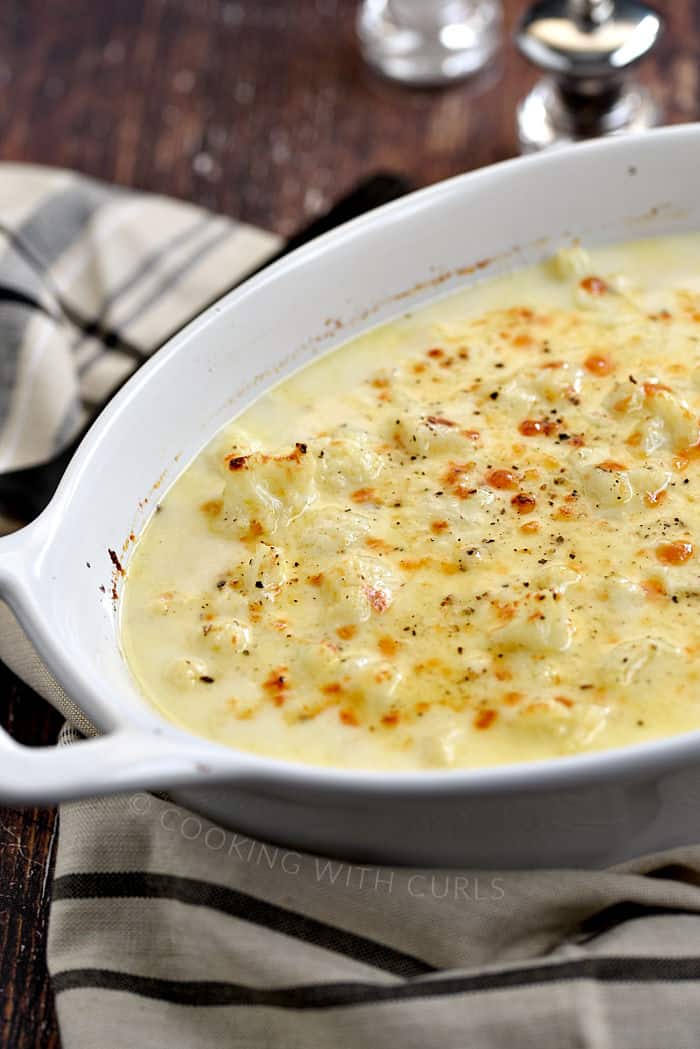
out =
column 261, row 109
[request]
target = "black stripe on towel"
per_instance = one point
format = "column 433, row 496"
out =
column 173, row 276
column 618, row 914
column 20, row 298
column 148, row 262
column 56, row 223
column 95, row 327
column 143, row 885
column 627, row 970
column 111, row 339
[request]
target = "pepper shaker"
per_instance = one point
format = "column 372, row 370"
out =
column 586, row 49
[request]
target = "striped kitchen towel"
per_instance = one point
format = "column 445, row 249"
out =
column 167, row 930
column 92, row 280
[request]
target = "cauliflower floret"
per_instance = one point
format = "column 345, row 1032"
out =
column 611, row 485
column 231, row 441
column 225, row 634
column 355, row 587
column 680, row 424
column 557, row 384
column 651, row 657
column 624, row 596
column 517, row 396
column 331, row 529
column 664, row 419
column 263, row 492
column 346, row 463
column 577, row 724
column 557, row 578
column 470, row 502
column 371, row 684
column 680, row 580
column 442, row 751
column 542, row 389
column 187, row 671
column 624, row 398
column 607, row 485
column 652, row 436
column 266, row 572
column 649, row 481
column 541, row 625
column 570, row 262
column 422, row 433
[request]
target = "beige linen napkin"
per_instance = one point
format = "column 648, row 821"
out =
column 169, row 931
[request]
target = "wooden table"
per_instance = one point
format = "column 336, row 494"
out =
column 261, row 109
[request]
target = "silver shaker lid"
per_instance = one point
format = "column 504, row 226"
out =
column 586, row 49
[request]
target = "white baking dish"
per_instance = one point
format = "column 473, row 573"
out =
column 58, row 575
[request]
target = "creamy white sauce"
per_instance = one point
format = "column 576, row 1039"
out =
column 468, row 537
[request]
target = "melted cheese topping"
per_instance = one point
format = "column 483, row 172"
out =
column 469, row 537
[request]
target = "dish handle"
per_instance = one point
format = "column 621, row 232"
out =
column 128, row 758
column 119, row 762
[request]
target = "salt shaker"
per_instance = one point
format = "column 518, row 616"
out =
column 586, row 49
column 428, row 42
